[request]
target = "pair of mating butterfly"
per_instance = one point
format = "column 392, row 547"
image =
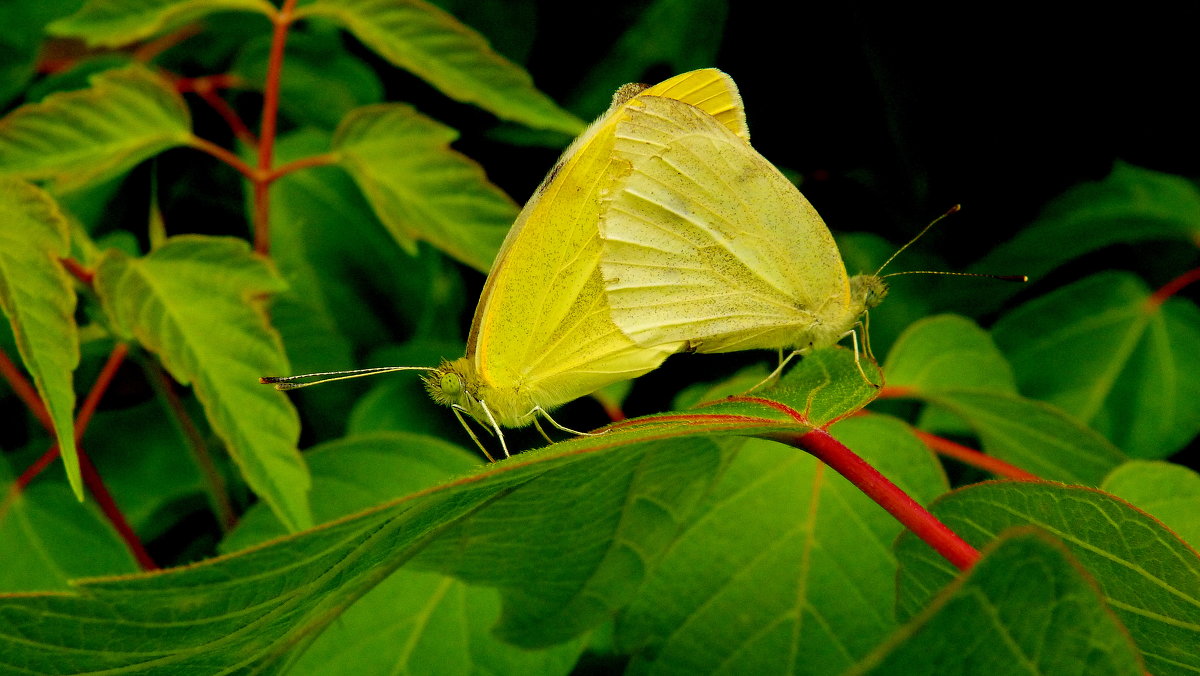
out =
column 659, row 230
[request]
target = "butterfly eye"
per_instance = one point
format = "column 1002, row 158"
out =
column 451, row 385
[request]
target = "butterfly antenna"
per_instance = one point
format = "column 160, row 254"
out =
column 1003, row 278
column 952, row 210
column 296, row 382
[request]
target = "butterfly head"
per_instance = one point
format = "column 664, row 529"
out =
column 867, row 291
column 447, row 384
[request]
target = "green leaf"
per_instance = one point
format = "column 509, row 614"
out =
column 675, row 35
column 785, row 567
column 79, row 138
column 412, row 621
column 432, row 44
column 566, row 533
column 1105, row 351
column 1131, row 204
column 1034, row 436
column 46, row 538
column 419, row 187
column 1148, row 576
column 196, row 303
column 947, row 351
column 38, row 297
column 113, row 23
column 21, row 41
column 1025, row 608
column 1168, row 492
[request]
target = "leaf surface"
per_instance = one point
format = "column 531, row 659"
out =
column 1025, row 608
column 1102, row 350
column 438, row 48
column 38, row 298
column 196, row 303
column 79, row 138
column 419, row 187
column 113, row 23
column 1147, row 575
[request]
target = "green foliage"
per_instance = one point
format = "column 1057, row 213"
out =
column 80, row 138
column 39, row 302
column 146, row 207
column 419, row 187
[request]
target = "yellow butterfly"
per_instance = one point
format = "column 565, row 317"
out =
column 542, row 334
column 706, row 242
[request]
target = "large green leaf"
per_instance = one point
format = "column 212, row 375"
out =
column 1033, row 435
column 46, row 538
column 196, row 303
column 38, row 298
column 554, row 527
column 1148, row 576
column 432, row 44
column 421, row 188
column 1168, row 492
column 946, row 352
column 405, row 622
column 1131, row 204
column 1025, row 608
column 112, row 23
column 1104, row 351
column 783, row 535
column 79, row 138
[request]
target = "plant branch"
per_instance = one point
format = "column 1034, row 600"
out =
column 266, row 142
column 91, row 478
column 885, row 493
column 206, row 88
column 1171, row 288
column 227, row 157
column 214, row 483
column 24, row 390
column 974, row 458
column 78, row 271
column 321, row 160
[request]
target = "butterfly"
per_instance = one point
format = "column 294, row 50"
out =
column 543, row 334
column 706, row 242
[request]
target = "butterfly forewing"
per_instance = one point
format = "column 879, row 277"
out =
column 706, row 242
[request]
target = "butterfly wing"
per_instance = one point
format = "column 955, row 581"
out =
column 543, row 323
column 705, row 241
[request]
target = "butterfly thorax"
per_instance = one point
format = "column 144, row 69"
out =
column 457, row 384
column 833, row 322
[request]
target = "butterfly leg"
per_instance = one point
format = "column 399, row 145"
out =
column 458, row 414
column 552, row 421
column 783, row 361
column 495, row 426
column 541, row 431
column 854, row 338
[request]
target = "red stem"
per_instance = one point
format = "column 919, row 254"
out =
column 78, row 271
column 218, row 496
column 103, row 380
column 24, row 390
column 266, row 142
column 226, row 157
column 109, row 506
column 302, row 163
column 885, row 493
column 206, row 88
column 1172, row 287
column 973, row 457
